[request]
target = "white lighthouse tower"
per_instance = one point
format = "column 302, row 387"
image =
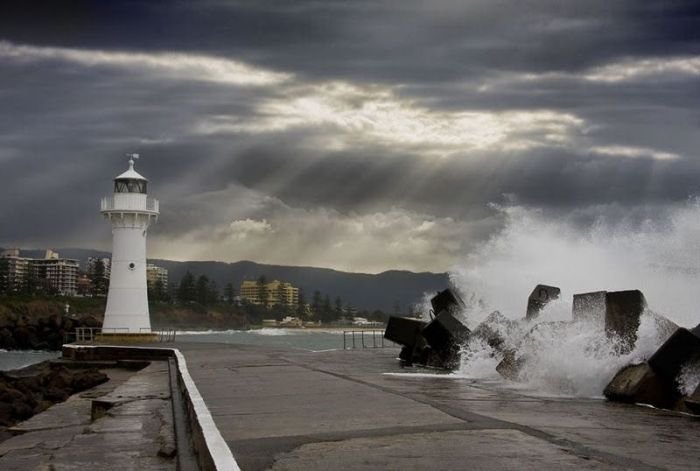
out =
column 131, row 212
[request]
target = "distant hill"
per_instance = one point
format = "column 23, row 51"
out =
column 360, row 290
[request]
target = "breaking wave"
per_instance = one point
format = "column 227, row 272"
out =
column 576, row 359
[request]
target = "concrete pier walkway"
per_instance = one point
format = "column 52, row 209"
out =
column 298, row 410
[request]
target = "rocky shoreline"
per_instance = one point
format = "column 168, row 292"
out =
column 26, row 332
column 28, row 391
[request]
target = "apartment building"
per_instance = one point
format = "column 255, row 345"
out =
column 269, row 294
column 155, row 273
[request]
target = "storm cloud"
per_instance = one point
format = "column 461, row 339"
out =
column 361, row 136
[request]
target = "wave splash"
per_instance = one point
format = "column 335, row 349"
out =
column 562, row 357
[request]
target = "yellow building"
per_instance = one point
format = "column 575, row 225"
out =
column 270, row 294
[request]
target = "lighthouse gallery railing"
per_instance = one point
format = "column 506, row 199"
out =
column 127, row 202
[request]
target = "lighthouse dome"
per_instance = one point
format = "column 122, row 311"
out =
column 130, row 181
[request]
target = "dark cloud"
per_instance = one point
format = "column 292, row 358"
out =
column 398, row 118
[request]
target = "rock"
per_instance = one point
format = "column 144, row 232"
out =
column 539, row 298
column 640, row 384
column 589, row 307
column 447, row 300
column 692, row 402
column 623, row 310
column 33, row 389
column 681, row 348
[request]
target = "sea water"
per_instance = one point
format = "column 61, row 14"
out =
column 11, row 360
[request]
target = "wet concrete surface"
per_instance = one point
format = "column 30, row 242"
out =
column 129, row 437
column 298, row 410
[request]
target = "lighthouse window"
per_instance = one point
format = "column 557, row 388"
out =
column 130, row 186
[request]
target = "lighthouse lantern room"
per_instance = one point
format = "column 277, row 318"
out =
column 131, row 212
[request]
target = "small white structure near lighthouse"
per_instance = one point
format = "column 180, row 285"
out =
column 131, row 212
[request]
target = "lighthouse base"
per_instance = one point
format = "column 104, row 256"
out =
column 126, row 338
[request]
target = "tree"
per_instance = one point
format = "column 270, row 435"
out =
column 202, row 290
column 229, row 293
column 338, row 307
column 186, row 290
column 98, row 279
column 327, row 314
column 301, row 306
column 316, row 304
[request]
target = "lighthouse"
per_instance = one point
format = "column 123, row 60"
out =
column 131, row 212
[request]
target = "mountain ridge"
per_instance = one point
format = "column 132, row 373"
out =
column 364, row 291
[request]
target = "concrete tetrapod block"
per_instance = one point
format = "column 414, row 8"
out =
column 511, row 365
column 539, row 298
column 692, row 402
column 446, row 300
column 681, row 348
column 445, row 335
column 403, row 330
column 640, row 384
column 446, row 331
column 589, row 307
column 622, row 312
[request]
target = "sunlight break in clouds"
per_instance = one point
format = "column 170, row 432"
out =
column 634, row 152
column 369, row 242
column 183, row 66
column 629, row 70
column 376, row 113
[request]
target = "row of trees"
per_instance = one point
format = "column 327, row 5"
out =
column 202, row 291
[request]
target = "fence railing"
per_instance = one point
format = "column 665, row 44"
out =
column 353, row 339
column 95, row 334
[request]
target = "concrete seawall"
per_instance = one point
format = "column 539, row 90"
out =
column 210, row 449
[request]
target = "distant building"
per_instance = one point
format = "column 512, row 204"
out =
column 269, row 294
column 51, row 273
column 155, row 273
column 14, row 271
column 55, row 273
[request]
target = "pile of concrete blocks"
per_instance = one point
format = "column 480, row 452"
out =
column 436, row 343
column 617, row 313
column 655, row 382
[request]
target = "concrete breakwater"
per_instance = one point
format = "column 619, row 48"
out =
column 198, row 439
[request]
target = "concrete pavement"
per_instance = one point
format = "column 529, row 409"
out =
column 294, row 410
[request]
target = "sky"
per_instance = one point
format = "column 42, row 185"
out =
column 356, row 135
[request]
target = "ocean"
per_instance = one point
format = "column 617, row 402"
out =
column 300, row 339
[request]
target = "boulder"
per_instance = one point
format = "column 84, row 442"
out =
column 623, row 310
column 682, row 348
column 539, row 298
column 639, row 384
column 589, row 307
